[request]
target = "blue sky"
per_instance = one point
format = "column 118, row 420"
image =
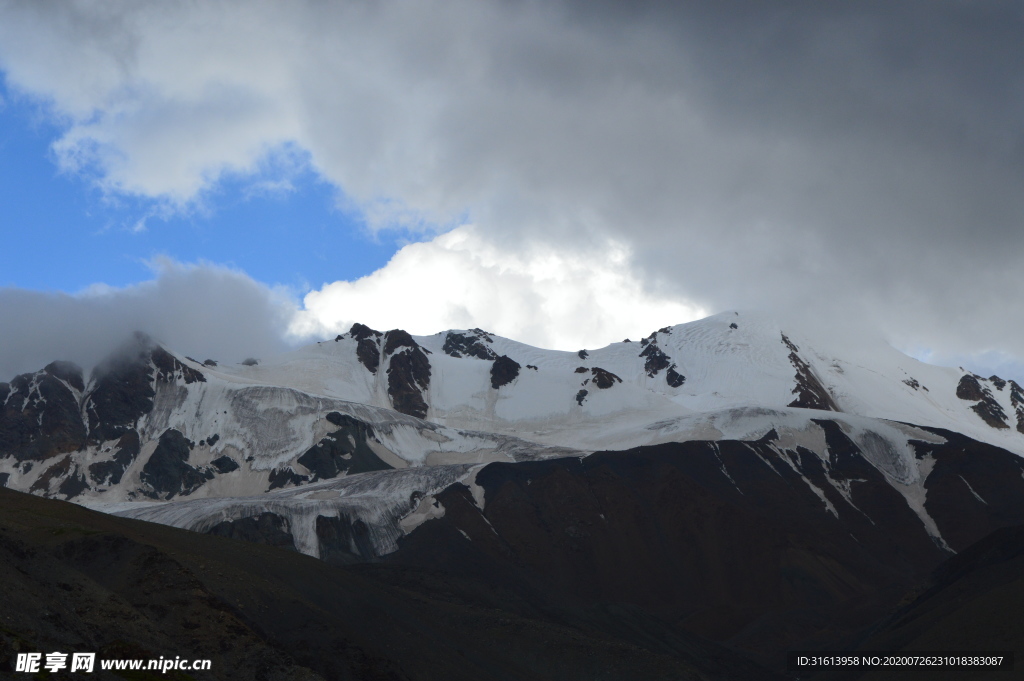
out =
column 61, row 233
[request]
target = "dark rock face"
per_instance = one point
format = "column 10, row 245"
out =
column 167, row 471
column 250, row 362
column 55, row 471
column 408, row 373
column 970, row 388
column 583, row 354
column 224, row 464
column 266, row 528
column 581, row 396
column 39, row 416
column 73, row 485
column 674, row 378
column 170, row 370
column 69, row 372
column 733, row 326
column 991, row 413
column 810, row 393
column 604, row 379
column 110, row 472
column 209, row 363
column 581, row 370
column 964, row 468
column 472, row 345
column 656, row 358
column 504, row 370
column 398, row 338
column 1017, row 400
column 346, row 450
column 283, row 477
column 727, row 538
column 367, row 346
column 122, row 391
column 342, row 541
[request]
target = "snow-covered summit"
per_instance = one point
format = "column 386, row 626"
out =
column 473, row 379
column 150, row 425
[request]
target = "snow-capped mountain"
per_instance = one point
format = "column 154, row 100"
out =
column 150, row 425
column 849, row 471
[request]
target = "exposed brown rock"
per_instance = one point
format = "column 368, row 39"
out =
column 810, row 393
column 970, row 388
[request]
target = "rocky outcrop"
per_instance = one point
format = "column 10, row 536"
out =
column 810, row 393
column 282, row 477
column 224, row 464
column 367, row 346
column 109, row 472
column 343, row 541
column 39, row 415
column 504, row 370
column 346, row 450
column 167, row 472
column 266, row 528
column 54, row 472
column 1017, row 400
column 970, row 388
column 170, row 370
column 654, row 358
column 122, row 391
column 472, row 344
column 69, row 372
column 604, row 379
column 408, row 373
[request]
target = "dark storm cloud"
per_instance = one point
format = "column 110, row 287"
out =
column 874, row 160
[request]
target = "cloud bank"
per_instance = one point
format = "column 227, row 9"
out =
column 455, row 281
column 847, row 160
column 205, row 311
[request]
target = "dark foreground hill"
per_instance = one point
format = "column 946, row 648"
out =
column 972, row 602
column 74, row 580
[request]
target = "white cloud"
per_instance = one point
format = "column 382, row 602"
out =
column 549, row 299
column 203, row 310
